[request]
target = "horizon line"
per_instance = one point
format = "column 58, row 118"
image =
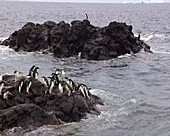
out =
column 51, row 1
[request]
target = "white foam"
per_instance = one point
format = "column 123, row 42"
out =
column 5, row 52
column 125, row 56
column 3, row 38
column 148, row 37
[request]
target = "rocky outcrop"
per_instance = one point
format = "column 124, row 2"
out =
column 37, row 106
column 79, row 37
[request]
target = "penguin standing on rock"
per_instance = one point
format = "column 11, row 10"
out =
column 6, row 95
column 52, row 84
column 65, row 87
column 55, row 77
column 28, row 86
column 45, row 81
column 0, row 78
column 139, row 37
column 86, row 16
column 1, row 87
column 60, row 88
column 62, row 75
column 84, row 91
column 17, row 75
column 20, row 86
column 33, row 72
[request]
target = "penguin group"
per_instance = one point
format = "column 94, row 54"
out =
column 58, row 82
column 19, row 82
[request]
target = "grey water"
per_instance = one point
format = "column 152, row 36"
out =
column 135, row 89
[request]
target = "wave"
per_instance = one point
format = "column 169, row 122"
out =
column 111, row 113
column 159, row 36
column 2, row 39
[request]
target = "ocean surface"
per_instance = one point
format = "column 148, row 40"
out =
column 135, row 89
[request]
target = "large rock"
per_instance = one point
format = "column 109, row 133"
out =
column 66, row 40
column 24, row 115
column 36, row 107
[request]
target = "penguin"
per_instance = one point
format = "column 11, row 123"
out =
column 28, row 87
column 20, row 86
column 82, row 91
column 71, row 85
column 75, row 85
column 55, row 77
column 45, row 81
column 0, row 78
column 6, row 94
column 62, row 75
column 139, row 37
column 86, row 16
column 52, row 84
column 35, row 73
column 17, row 75
column 31, row 70
column 57, row 71
column 60, row 88
column 66, row 88
column 78, row 56
column 87, row 93
column 1, row 87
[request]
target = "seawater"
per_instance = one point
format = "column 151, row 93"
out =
column 135, row 89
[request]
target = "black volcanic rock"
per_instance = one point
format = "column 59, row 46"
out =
column 37, row 108
column 24, row 115
column 66, row 40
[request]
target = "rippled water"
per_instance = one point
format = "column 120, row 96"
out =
column 135, row 88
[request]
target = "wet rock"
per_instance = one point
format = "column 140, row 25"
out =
column 66, row 40
column 25, row 114
column 21, row 108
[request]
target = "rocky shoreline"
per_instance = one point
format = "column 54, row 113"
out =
column 78, row 39
column 25, row 100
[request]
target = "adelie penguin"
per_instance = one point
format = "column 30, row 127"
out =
column 52, row 84
column 139, row 37
column 1, row 87
column 62, row 75
column 86, row 16
column 6, row 95
column 20, row 86
column 71, row 85
column 60, row 88
column 84, row 91
column 33, row 72
column 81, row 90
column 45, row 81
column 55, row 77
column 0, row 78
column 28, row 87
column 66, row 89
column 17, row 75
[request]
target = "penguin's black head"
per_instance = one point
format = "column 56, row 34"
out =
column 57, row 71
column 37, row 68
column 15, row 71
